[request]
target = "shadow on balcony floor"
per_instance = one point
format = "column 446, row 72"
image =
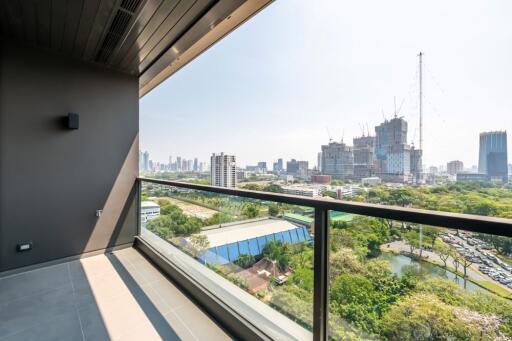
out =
column 117, row 296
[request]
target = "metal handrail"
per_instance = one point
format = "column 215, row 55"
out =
column 469, row 222
column 473, row 223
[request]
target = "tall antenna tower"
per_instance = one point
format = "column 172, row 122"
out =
column 421, row 98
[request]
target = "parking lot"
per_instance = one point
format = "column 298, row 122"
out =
column 479, row 253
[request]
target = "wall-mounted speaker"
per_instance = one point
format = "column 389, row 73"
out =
column 73, row 121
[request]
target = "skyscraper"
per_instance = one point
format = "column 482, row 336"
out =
column 297, row 168
column 338, row 160
column 416, row 163
column 392, row 152
column 178, row 163
column 492, row 158
column 262, row 165
column 196, row 165
column 223, row 170
column 319, row 161
column 278, row 166
column 145, row 161
column 364, row 156
column 454, row 167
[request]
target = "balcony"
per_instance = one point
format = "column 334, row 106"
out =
column 168, row 288
column 80, row 258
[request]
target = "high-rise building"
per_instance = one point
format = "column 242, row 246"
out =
column 297, row 168
column 454, row 167
column 178, row 163
column 393, row 154
column 338, row 160
column 364, row 156
column 145, row 161
column 278, row 166
column 416, row 164
column 262, row 166
column 319, row 161
column 492, row 158
column 223, row 170
column 196, row 165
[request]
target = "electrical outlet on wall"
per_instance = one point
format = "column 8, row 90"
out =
column 22, row 247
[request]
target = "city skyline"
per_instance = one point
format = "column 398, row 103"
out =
column 279, row 105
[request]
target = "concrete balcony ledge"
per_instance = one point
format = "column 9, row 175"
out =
column 249, row 309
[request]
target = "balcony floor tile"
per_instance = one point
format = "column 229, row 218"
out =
column 117, row 296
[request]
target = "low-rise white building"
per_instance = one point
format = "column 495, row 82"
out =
column 304, row 191
column 149, row 210
column 374, row 180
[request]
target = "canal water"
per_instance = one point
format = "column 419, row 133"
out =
column 399, row 263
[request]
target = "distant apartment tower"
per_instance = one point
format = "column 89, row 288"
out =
column 178, row 163
column 196, row 165
column 297, row 168
column 392, row 153
column 223, row 170
column 278, row 166
column 337, row 160
column 454, row 167
column 492, row 158
column 145, row 161
column 319, row 161
column 416, row 163
column 262, row 166
column 364, row 156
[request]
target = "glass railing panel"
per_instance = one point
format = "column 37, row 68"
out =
column 392, row 280
column 258, row 245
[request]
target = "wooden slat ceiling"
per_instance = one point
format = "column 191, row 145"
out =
column 129, row 36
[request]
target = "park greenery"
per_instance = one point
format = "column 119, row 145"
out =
column 479, row 198
column 367, row 300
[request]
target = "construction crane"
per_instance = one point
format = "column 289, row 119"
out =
column 328, row 134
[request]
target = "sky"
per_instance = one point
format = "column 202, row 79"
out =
column 300, row 72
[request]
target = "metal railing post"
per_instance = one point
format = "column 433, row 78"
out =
column 139, row 196
column 321, row 276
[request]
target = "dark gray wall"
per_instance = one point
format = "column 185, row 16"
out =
column 52, row 180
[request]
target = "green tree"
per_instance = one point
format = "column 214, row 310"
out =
column 443, row 251
column 273, row 188
column 198, row 243
column 344, row 261
column 245, row 261
column 413, row 240
column 303, row 278
column 218, row 218
column 331, row 194
column 176, row 224
column 250, row 211
column 252, row 187
column 278, row 252
column 422, row 317
column 273, row 210
column 354, row 298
